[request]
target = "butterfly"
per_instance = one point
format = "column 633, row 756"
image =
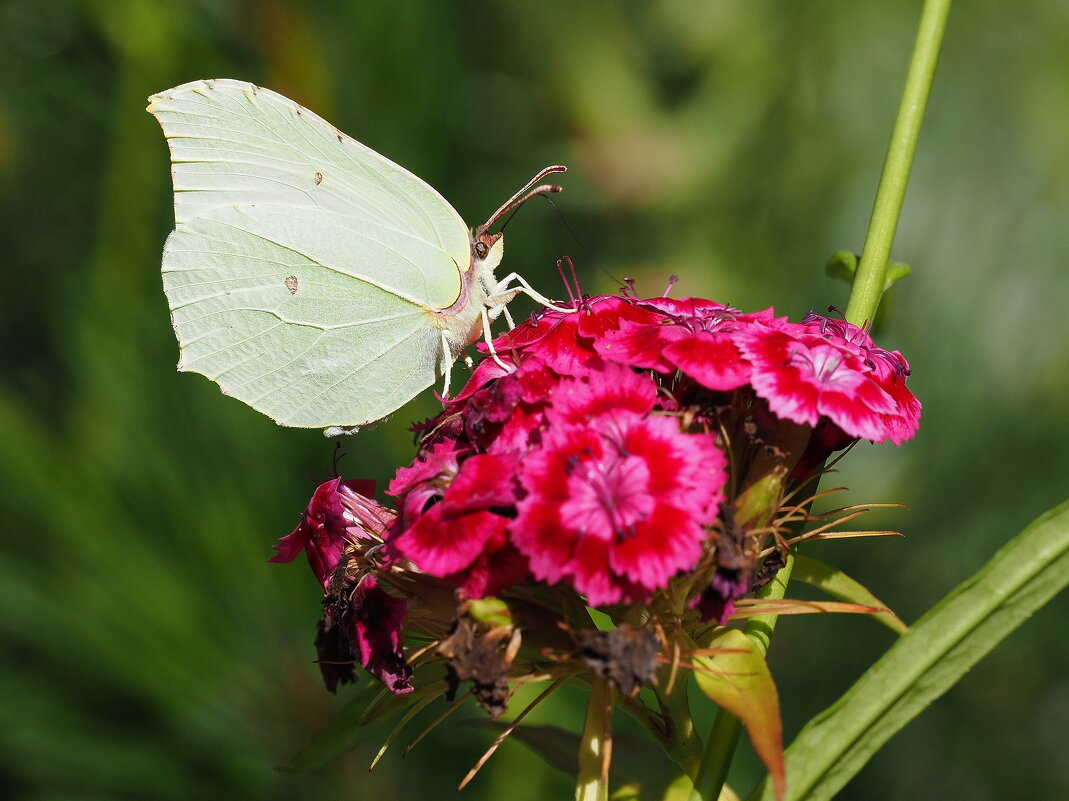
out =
column 308, row 275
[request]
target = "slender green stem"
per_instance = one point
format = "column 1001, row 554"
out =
column 726, row 728
column 869, row 282
column 718, row 755
column 591, row 782
column 682, row 742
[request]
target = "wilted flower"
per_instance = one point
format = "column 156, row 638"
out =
column 321, row 534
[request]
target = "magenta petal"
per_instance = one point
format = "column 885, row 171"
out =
column 689, row 308
column 666, row 543
column 484, row 480
column 604, row 313
column 441, row 543
column 590, row 567
column 441, row 461
column 289, row 546
column 904, row 424
column 853, row 416
column 322, row 531
column 492, row 572
column 613, row 390
column 539, row 535
column 374, row 626
column 639, row 344
column 713, row 360
column 787, row 397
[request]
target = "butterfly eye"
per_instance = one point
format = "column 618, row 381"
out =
column 481, row 250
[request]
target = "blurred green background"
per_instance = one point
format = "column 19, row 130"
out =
column 149, row 650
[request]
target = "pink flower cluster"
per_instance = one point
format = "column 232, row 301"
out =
column 596, row 451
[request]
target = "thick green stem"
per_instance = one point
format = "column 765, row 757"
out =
column 869, row 282
column 595, row 747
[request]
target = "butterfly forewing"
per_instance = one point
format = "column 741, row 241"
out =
column 235, row 143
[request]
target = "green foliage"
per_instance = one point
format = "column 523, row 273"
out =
column 926, row 662
column 151, row 653
column 735, row 676
column 839, row 585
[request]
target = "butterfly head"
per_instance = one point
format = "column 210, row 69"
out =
column 486, row 250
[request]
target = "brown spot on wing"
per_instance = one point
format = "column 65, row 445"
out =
column 291, row 284
column 317, row 179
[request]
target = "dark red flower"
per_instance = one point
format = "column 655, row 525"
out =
column 321, row 534
column 374, row 625
column 717, row 601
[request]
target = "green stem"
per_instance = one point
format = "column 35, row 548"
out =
column 869, row 282
column 726, row 728
column 681, row 743
column 591, row 783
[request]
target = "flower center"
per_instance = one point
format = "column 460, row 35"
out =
column 608, row 496
column 821, row 363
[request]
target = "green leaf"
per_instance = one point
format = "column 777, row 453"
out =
column 843, row 264
column 737, row 679
column 491, row 612
column 927, row 661
column 896, row 271
column 839, row 585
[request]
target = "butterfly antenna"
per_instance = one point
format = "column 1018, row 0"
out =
column 582, row 245
column 525, row 194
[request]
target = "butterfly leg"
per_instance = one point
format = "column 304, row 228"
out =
column 489, row 340
column 498, row 299
column 447, row 356
column 504, row 286
column 508, row 317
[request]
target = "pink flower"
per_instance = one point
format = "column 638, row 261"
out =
column 616, row 498
column 321, row 534
column 451, row 534
column 692, row 335
column 806, row 376
column 889, row 370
